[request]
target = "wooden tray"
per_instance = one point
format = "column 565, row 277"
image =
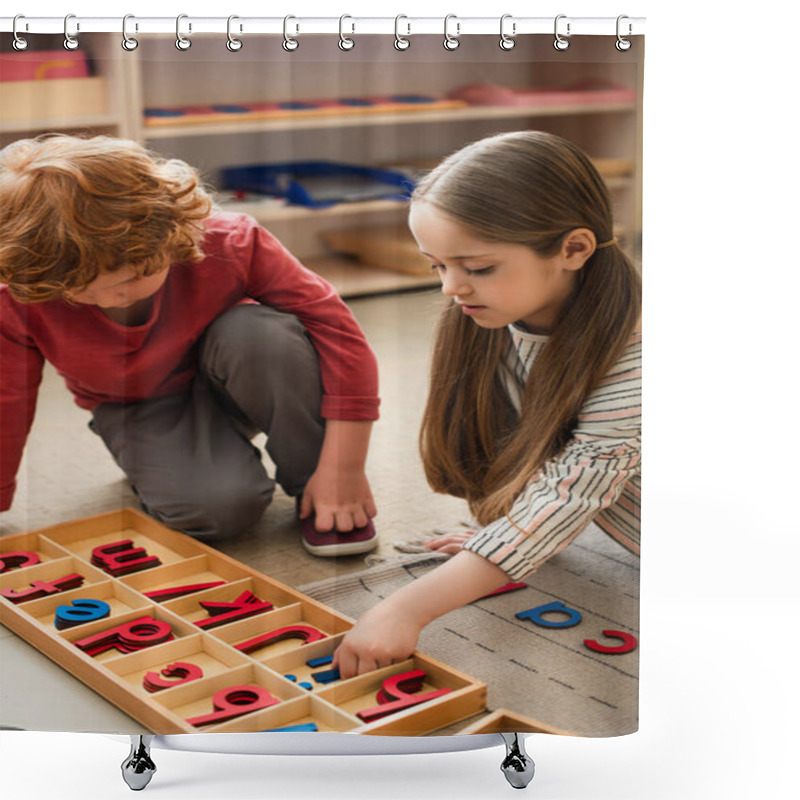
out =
column 282, row 689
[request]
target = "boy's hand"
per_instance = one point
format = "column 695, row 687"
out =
column 340, row 498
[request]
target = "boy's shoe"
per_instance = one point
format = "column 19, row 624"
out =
column 336, row 543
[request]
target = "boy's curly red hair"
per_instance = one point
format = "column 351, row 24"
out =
column 71, row 208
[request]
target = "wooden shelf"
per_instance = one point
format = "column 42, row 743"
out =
column 61, row 123
column 353, row 279
column 268, row 211
column 471, row 114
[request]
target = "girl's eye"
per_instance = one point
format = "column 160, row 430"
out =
column 483, row 271
column 435, row 267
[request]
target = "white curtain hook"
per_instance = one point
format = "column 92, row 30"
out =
column 560, row 42
column 128, row 42
column 290, row 44
column 234, row 45
column 19, row 43
column 344, row 42
column 623, row 44
column 181, row 42
column 507, row 42
column 400, row 42
column 451, row 42
column 70, row 42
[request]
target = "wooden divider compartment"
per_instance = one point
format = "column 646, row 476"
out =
column 294, row 661
column 466, row 698
column 300, row 711
column 50, row 571
column 120, row 598
column 213, row 658
column 118, row 676
column 190, row 609
column 31, row 543
column 196, row 698
column 324, row 620
column 180, row 629
column 196, row 570
column 82, row 539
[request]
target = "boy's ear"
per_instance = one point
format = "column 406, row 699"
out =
column 577, row 247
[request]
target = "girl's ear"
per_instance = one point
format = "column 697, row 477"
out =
column 577, row 247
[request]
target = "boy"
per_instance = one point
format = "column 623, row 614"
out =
column 184, row 332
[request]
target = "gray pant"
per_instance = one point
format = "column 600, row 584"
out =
column 189, row 456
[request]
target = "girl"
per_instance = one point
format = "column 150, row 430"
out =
column 533, row 412
column 184, row 331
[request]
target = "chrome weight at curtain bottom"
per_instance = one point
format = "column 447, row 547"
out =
column 138, row 767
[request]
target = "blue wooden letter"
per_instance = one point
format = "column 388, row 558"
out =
column 80, row 611
column 536, row 615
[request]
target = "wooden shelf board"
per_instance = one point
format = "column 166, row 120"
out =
column 273, row 212
column 362, row 120
column 62, row 123
column 353, row 279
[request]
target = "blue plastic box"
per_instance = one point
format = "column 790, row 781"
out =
column 318, row 184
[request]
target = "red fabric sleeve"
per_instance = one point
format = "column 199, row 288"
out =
column 348, row 365
column 21, row 366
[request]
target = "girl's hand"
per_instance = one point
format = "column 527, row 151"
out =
column 340, row 498
column 384, row 635
column 388, row 633
column 449, row 543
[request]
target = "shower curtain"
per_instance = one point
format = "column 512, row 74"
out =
column 319, row 141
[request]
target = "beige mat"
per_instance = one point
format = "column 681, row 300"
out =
column 547, row 674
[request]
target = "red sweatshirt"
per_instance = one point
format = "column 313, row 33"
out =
column 103, row 361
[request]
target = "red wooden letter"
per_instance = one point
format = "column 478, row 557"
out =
column 161, row 595
column 42, row 588
column 245, row 605
column 235, row 701
column 130, row 636
column 394, row 695
column 17, row 560
column 182, row 670
column 508, row 587
column 122, row 558
column 304, row 632
column 628, row 643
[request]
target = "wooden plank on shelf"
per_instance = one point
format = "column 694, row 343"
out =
column 270, row 210
column 353, row 279
column 419, row 118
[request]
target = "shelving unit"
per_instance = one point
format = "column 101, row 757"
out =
column 157, row 75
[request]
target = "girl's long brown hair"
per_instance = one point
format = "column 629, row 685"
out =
column 528, row 188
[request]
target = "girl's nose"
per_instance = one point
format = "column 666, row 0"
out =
column 454, row 285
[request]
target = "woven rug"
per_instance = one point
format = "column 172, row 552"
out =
column 546, row 674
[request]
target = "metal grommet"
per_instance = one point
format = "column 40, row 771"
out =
column 560, row 42
column 451, row 42
column 623, row 44
column 400, row 42
column 19, row 43
column 234, row 45
column 290, row 44
column 70, row 42
column 182, row 43
column 128, row 42
column 344, row 42
column 506, row 41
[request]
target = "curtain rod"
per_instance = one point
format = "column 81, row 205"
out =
column 403, row 25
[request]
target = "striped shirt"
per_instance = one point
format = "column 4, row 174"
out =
column 595, row 477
